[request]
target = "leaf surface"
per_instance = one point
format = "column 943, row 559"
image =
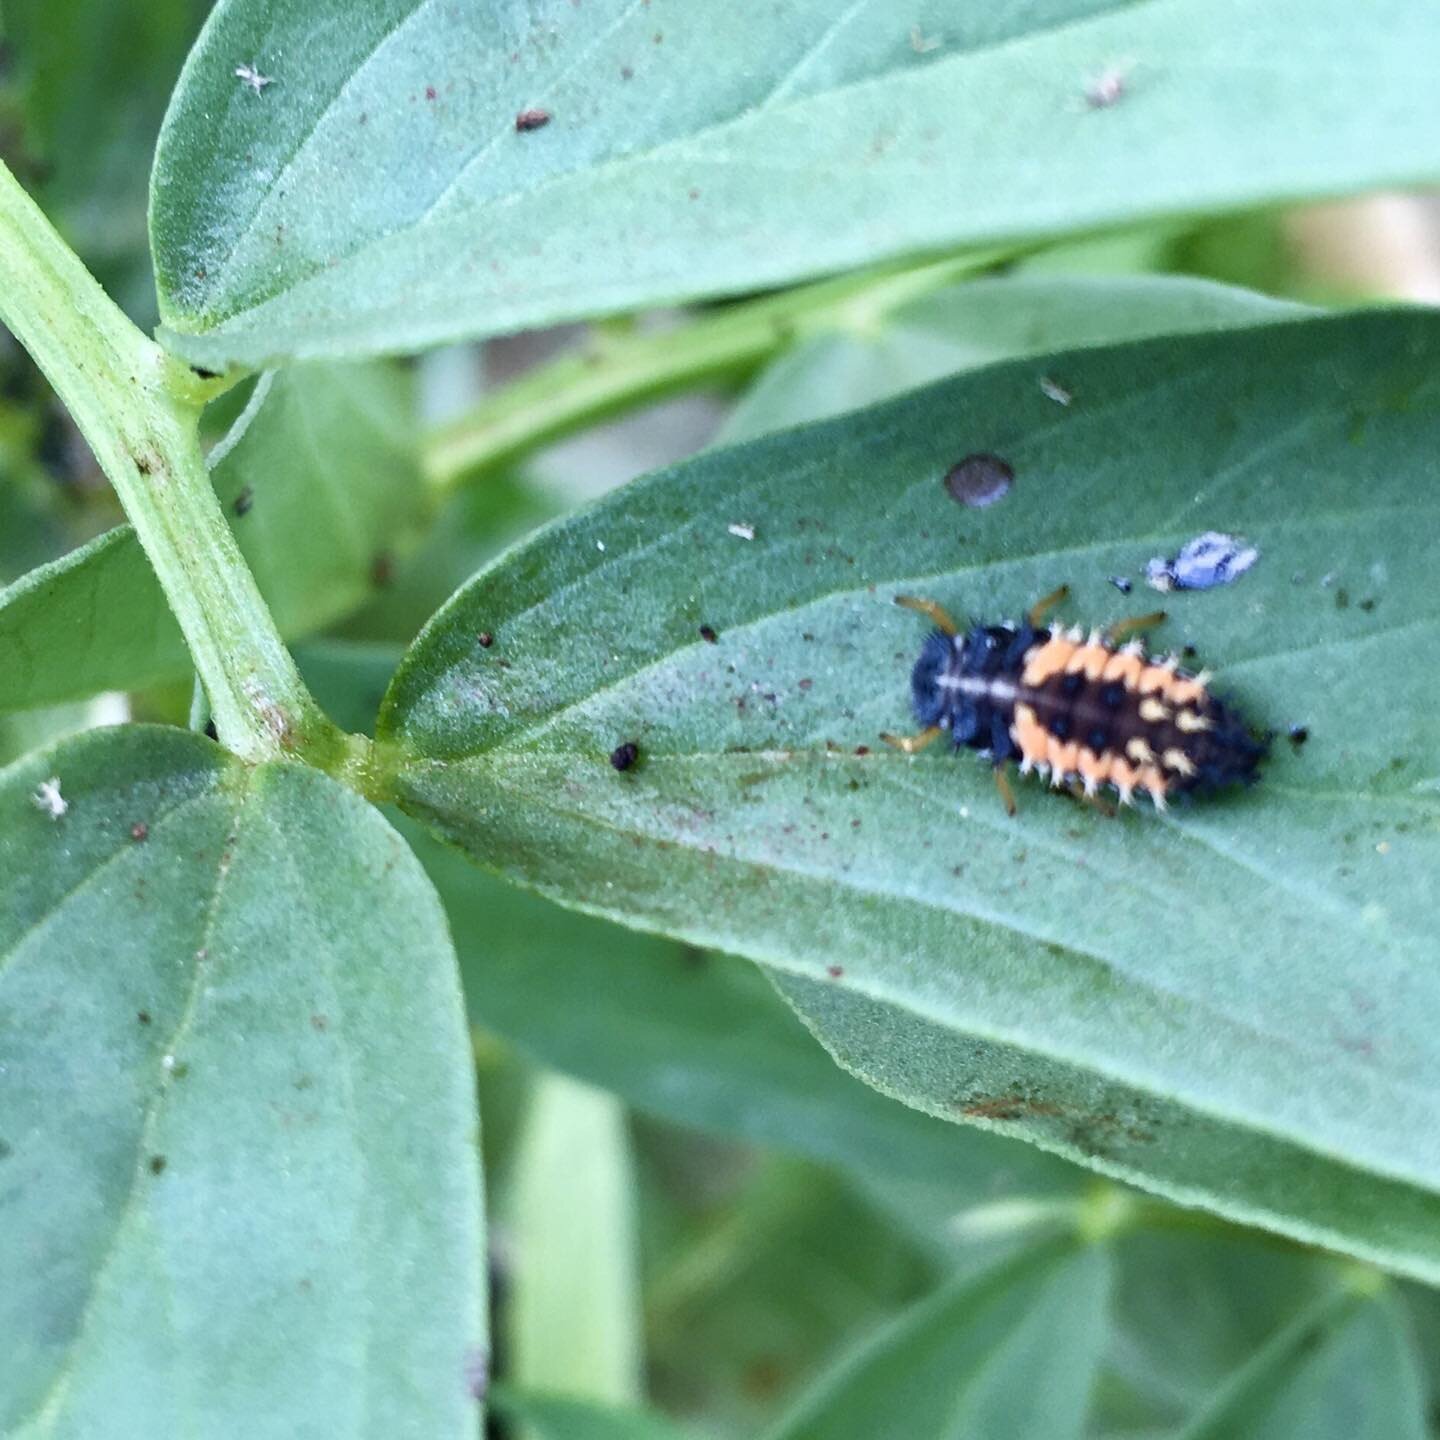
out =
column 1347, row 1370
column 698, row 1039
column 238, row 1165
column 1270, row 1057
column 379, row 195
column 1010, row 1354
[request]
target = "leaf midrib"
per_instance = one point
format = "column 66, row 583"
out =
column 45, row 1410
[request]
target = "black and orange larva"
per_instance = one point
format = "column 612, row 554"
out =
column 1085, row 711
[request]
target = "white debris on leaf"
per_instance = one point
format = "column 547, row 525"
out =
column 47, row 797
column 251, row 76
column 743, row 532
column 1208, row 560
column 1049, row 389
column 1107, row 88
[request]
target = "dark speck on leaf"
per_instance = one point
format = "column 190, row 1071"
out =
column 709, row 635
column 622, row 757
column 157, row 1164
column 1342, row 599
column 834, row 971
column 319, row 1021
column 143, row 1016
column 486, row 639
column 139, row 831
column 627, row 72
column 243, row 501
column 382, row 569
column 980, row 480
column 1368, row 603
column 1122, row 583
column 532, row 120
column 429, row 92
column 1299, row 734
column 862, row 749
column 205, row 374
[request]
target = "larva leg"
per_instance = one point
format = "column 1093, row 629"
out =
column 936, row 612
column 913, row 744
column 1121, row 628
column 1041, row 608
column 1002, row 784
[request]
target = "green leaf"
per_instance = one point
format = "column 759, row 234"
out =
column 238, row 1122
column 1189, row 1309
column 575, row 1307
column 698, row 1039
column 963, row 327
column 757, row 1300
column 1268, row 1057
column 331, row 488
column 1008, row 1355
column 1347, row 1370
column 378, row 194
column 553, row 1417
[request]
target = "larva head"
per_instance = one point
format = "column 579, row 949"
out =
column 1225, row 752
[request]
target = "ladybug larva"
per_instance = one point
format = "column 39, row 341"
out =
column 1085, row 711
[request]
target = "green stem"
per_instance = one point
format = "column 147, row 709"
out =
column 617, row 370
column 139, row 410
